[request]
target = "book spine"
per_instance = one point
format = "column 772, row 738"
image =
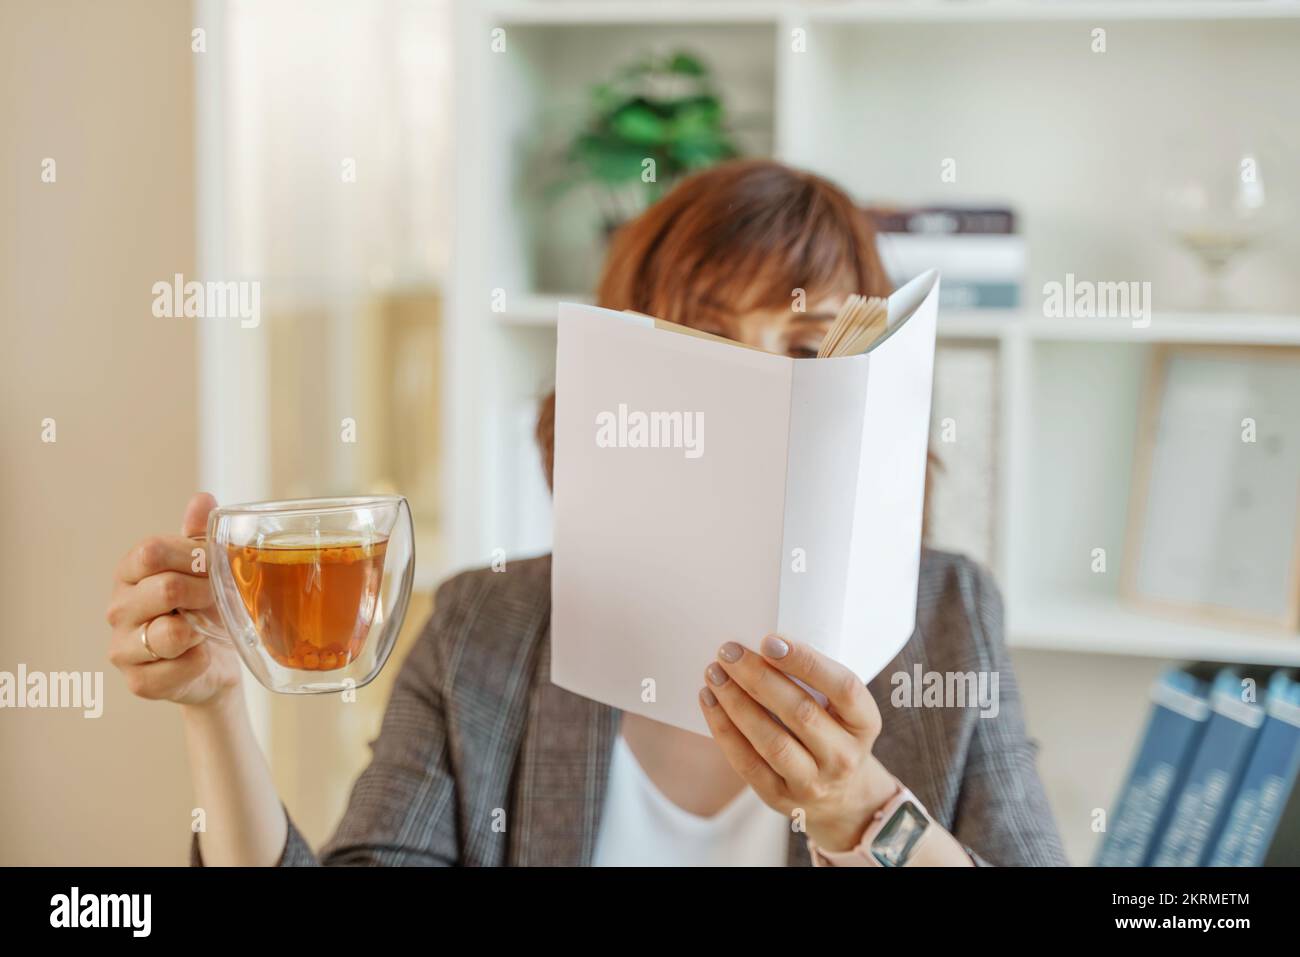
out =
column 1284, row 849
column 943, row 220
column 1177, row 721
column 964, row 294
column 970, row 257
column 1267, row 784
column 1192, row 827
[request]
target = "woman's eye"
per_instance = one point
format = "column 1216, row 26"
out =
column 802, row 352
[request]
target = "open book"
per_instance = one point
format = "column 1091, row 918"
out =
column 709, row 492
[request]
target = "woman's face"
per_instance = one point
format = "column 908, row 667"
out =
column 783, row 331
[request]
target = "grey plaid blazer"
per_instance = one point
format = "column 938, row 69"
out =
column 482, row 761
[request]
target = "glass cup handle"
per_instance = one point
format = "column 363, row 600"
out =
column 207, row 622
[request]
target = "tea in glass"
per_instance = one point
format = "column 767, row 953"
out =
column 312, row 599
column 311, row 592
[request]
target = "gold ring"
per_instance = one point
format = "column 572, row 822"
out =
column 144, row 640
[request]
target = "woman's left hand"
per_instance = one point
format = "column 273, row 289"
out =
column 815, row 759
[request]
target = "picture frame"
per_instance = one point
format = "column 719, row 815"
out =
column 1223, row 549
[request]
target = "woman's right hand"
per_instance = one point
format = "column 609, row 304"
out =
column 153, row 581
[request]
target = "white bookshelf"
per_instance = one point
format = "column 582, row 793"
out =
column 997, row 324
column 1082, row 622
column 929, row 79
column 585, row 12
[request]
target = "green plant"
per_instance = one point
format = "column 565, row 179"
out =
column 655, row 121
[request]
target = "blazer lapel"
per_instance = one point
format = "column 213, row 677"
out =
column 796, row 850
column 563, row 771
column 909, row 740
column 901, row 748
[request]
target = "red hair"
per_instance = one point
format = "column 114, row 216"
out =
column 740, row 236
column 743, row 235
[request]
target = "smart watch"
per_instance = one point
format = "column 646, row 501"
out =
column 890, row 840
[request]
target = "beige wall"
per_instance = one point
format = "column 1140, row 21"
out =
column 106, row 90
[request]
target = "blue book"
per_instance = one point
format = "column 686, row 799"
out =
column 971, row 294
column 1191, row 831
column 1284, row 851
column 1268, row 783
column 1178, row 718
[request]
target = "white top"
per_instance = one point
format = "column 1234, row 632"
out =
column 641, row 827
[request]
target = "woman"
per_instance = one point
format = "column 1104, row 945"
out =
column 481, row 760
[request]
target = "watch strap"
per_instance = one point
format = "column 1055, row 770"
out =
column 860, row 855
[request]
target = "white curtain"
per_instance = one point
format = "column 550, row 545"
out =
column 318, row 90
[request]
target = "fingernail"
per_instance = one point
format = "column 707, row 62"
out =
column 730, row 652
column 774, row 647
column 716, row 674
column 707, row 697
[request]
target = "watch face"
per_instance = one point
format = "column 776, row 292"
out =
column 894, row 844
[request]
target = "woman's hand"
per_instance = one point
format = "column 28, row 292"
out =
column 154, row 579
column 813, row 759
column 232, row 783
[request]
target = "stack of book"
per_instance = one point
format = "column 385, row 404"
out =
column 1214, row 780
column 977, row 251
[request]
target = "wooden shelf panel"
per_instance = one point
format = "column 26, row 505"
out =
column 1101, row 624
column 588, row 12
column 1243, row 329
column 1034, row 11
column 539, row 309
